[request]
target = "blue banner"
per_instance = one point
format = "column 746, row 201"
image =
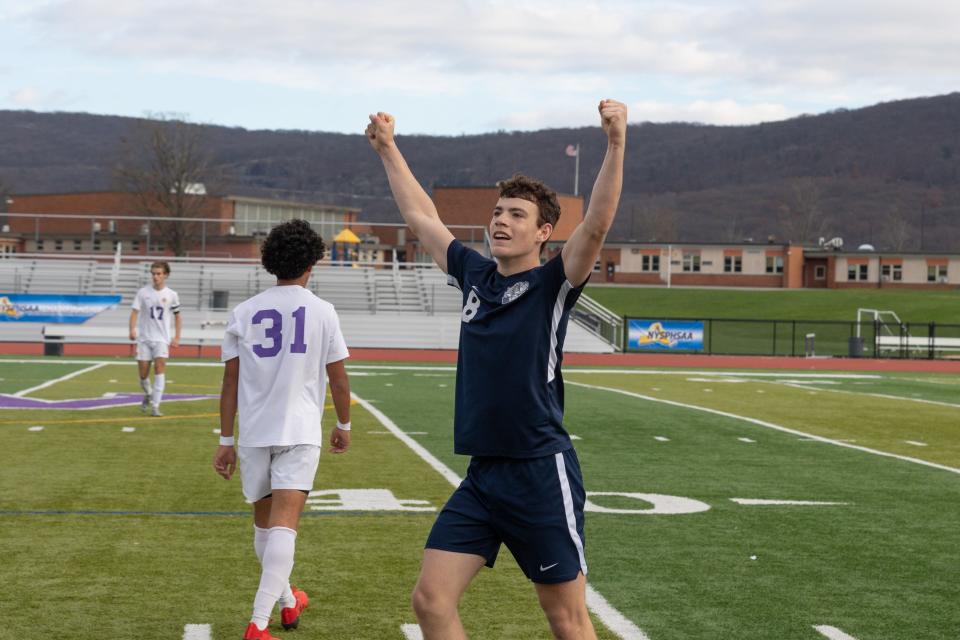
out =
column 664, row 335
column 68, row 309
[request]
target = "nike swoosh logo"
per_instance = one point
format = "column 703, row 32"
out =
column 548, row 567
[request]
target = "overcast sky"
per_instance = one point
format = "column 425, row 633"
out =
column 472, row 66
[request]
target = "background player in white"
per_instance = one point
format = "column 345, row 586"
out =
column 150, row 327
column 279, row 349
column 513, row 450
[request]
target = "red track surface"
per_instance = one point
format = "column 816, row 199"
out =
column 589, row 359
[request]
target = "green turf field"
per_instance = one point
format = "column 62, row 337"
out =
column 115, row 526
column 913, row 306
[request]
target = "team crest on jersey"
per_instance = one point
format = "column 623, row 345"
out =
column 515, row 291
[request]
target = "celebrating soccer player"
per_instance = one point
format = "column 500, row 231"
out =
column 150, row 327
column 523, row 486
column 279, row 349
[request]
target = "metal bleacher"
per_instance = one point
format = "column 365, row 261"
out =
column 379, row 306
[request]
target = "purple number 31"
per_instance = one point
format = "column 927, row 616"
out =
column 274, row 332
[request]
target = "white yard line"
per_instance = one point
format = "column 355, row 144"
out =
column 832, row 633
column 875, row 395
column 610, row 617
column 411, row 631
column 648, row 372
column 48, row 383
column 768, row 425
column 756, row 502
column 435, row 464
column 196, row 632
column 124, row 362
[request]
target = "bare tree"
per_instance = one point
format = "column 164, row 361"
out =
column 169, row 173
column 654, row 220
column 733, row 229
column 801, row 218
column 4, row 200
column 898, row 229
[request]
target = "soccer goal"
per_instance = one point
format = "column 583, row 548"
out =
column 889, row 329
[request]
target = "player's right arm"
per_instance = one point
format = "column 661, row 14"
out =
column 415, row 205
column 133, row 324
column 134, row 313
column 225, row 459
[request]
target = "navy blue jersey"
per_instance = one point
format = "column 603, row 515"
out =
column 509, row 399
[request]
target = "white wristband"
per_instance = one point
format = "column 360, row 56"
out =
column 226, row 441
column 343, row 426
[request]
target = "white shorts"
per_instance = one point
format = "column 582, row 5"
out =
column 263, row 470
column 148, row 350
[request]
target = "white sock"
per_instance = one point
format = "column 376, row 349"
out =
column 259, row 544
column 145, row 385
column 277, row 564
column 159, row 382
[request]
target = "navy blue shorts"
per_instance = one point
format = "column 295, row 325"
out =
column 534, row 506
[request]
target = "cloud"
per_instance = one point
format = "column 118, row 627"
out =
column 35, row 98
column 811, row 43
column 719, row 112
column 529, row 62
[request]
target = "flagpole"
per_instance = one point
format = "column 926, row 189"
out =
column 576, row 172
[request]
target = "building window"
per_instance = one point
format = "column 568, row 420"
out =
column 77, row 245
column 774, row 264
column 819, row 272
column 892, row 272
column 116, row 243
column 650, row 263
column 58, row 245
column 733, row 264
column 857, row 272
column 39, row 245
column 96, row 245
column 936, row 273
column 691, row 262
column 135, row 246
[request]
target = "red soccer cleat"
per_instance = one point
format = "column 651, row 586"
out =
column 290, row 616
column 253, row 633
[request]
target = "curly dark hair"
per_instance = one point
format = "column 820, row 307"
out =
column 290, row 249
column 526, row 188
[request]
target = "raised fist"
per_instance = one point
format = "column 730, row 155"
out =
column 613, row 119
column 380, row 130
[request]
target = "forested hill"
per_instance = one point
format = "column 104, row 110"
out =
column 887, row 174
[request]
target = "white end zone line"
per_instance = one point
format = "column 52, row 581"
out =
column 885, row 396
column 610, row 617
column 752, row 502
column 832, row 632
column 196, row 632
column 78, row 372
column 768, row 425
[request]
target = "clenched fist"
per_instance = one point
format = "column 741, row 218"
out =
column 613, row 119
column 380, row 131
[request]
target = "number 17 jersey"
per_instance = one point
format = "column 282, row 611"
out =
column 285, row 337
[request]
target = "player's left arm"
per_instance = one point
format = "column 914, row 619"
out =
column 340, row 391
column 178, row 329
column 225, row 459
column 581, row 250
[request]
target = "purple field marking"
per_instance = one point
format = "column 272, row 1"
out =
column 8, row 401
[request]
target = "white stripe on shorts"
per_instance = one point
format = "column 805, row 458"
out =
column 568, row 510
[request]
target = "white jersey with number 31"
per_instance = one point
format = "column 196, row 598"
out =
column 285, row 337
